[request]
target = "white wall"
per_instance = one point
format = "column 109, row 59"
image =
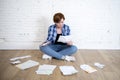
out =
column 94, row 23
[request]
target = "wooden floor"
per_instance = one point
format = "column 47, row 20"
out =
column 110, row 58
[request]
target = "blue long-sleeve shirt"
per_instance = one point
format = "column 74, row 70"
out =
column 52, row 32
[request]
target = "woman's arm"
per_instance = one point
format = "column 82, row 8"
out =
column 69, row 33
column 49, row 37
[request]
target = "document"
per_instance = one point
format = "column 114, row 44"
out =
column 64, row 39
column 16, row 62
column 46, row 69
column 21, row 57
column 99, row 65
column 87, row 68
column 68, row 70
column 27, row 64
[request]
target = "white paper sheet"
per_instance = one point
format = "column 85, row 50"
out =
column 87, row 68
column 64, row 39
column 99, row 65
column 16, row 62
column 68, row 70
column 46, row 69
column 27, row 64
column 21, row 57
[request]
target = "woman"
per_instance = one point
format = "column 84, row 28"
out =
column 57, row 49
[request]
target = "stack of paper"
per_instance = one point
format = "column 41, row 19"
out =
column 68, row 70
column 27, row 64
column 46, row 69
column 87, row 68
column 22, row 57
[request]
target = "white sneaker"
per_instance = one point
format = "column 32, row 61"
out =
column 70, row 58
column 45, row 56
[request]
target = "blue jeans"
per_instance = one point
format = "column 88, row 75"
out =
column 58, row 50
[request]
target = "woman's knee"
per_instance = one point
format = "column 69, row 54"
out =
column 74, row 48
column 42, row 48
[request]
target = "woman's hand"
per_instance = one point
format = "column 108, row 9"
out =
column 69, row 43
column 44, row 44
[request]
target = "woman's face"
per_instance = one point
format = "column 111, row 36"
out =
column 60, row 24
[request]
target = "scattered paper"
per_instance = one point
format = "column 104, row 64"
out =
column 46, row 69
column 64, row 39
column 99, row 65
column 16, row 62
column 87, row 68
column 45, row 56
column 68, row 70
column 17, row 58
column 27, row 64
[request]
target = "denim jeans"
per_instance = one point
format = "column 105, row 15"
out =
column 58, row 50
